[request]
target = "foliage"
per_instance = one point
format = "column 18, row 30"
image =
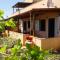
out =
column 4, row 23
column 8, row 51
column 33, row 53
column 12, row 49
column 10, row 23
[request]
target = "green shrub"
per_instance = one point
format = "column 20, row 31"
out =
column 12, row 50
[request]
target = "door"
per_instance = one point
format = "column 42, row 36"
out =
column 51, row 27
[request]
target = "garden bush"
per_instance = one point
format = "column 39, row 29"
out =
column 11, row 49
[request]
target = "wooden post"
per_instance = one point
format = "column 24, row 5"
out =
column 33, row 25
column 30, row 22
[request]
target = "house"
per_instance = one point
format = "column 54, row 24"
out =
column 40, row 19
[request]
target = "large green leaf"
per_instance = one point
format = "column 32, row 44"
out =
column 3, row 23
column 10, row 23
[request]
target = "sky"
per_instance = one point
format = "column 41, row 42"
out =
column 6, row 5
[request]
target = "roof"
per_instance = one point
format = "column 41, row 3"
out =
column 35, row 11
column 39, row 5
column 21, row 5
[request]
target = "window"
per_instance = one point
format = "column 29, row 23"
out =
column 24, row 25
column 42, row 25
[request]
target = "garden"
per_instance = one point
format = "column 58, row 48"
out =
column 11, row 49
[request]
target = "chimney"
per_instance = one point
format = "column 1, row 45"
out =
column 49, row 3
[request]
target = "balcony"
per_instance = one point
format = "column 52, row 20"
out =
column 20, row 5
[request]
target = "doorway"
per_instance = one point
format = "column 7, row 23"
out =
column 51, row 27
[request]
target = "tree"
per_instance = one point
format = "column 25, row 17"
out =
column 5, row 23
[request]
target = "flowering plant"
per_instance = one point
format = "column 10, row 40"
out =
column 29, row 38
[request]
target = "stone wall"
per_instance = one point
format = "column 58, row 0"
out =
column 16, row 35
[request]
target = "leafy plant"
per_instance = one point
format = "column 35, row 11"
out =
column 33, row 53
column 10, row 23
column 5, row 23
column 17, row 52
